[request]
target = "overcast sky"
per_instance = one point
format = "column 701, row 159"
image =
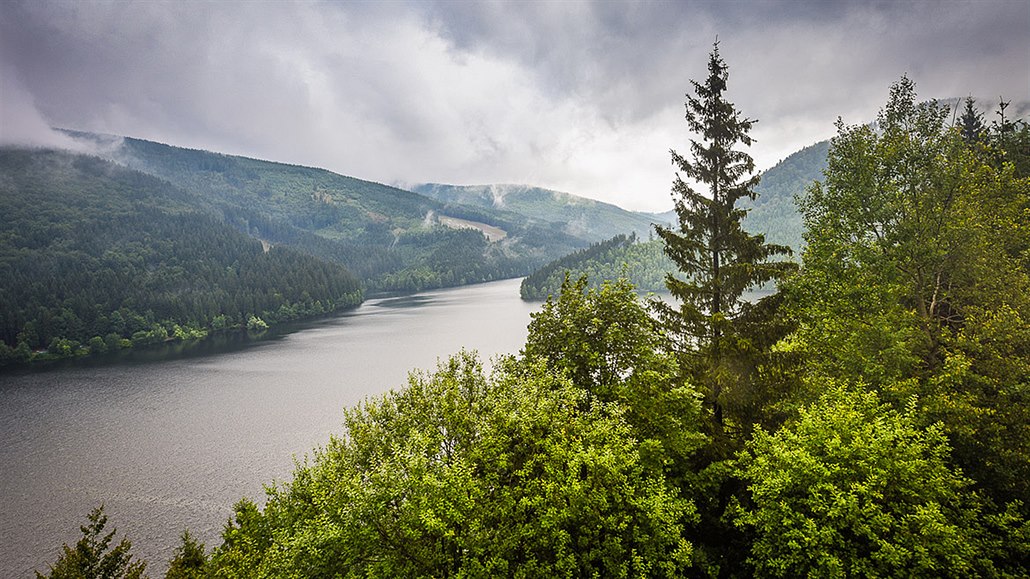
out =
column 584, row 97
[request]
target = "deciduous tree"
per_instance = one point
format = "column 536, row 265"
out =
column 914, row 282
column 605, row 341
column 519, row 474
column 855, row 488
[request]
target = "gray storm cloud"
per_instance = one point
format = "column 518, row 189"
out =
column 584, row 97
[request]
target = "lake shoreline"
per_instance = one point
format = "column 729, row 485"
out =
column 168, row 444
column 215, row 342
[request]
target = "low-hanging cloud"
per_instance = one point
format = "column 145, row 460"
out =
column 20, row 122
column 580, row 96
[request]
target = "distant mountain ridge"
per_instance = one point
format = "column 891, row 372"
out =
column 773, row 213
column 393, row 239
column 577, row 216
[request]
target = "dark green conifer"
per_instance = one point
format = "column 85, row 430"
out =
column 189, row 560
column 719, row 260
column 94, row 558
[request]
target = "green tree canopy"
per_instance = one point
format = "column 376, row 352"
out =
column 971, row 123
column 605, row 341
column 915, row 282
column 855, row 488
column 189, row 560
column 464, row 475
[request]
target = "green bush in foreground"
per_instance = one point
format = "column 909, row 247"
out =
column 856, row 489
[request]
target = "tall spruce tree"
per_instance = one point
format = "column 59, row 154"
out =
column 719, row 260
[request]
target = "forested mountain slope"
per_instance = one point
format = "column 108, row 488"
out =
column 774, row 212
column 576, row 216
column 153, row 241
column 94, row 257
column 394, row 240
column 643, row 263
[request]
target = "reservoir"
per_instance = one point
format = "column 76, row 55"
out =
column 170, row 444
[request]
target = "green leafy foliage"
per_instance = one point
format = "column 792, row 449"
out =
column 518, row 474
column 607, row 343
column 854, row 488
column 915, row 282
column 94, row 558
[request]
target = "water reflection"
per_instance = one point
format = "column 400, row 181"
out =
column 403, row 301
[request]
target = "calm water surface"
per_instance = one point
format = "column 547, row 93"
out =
column 172, row 444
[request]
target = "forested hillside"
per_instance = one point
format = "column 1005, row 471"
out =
column 156, row 242
column 576, row 216
column 95, row 257
column 644, row 263
column 774, row 213
column 394, row 240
